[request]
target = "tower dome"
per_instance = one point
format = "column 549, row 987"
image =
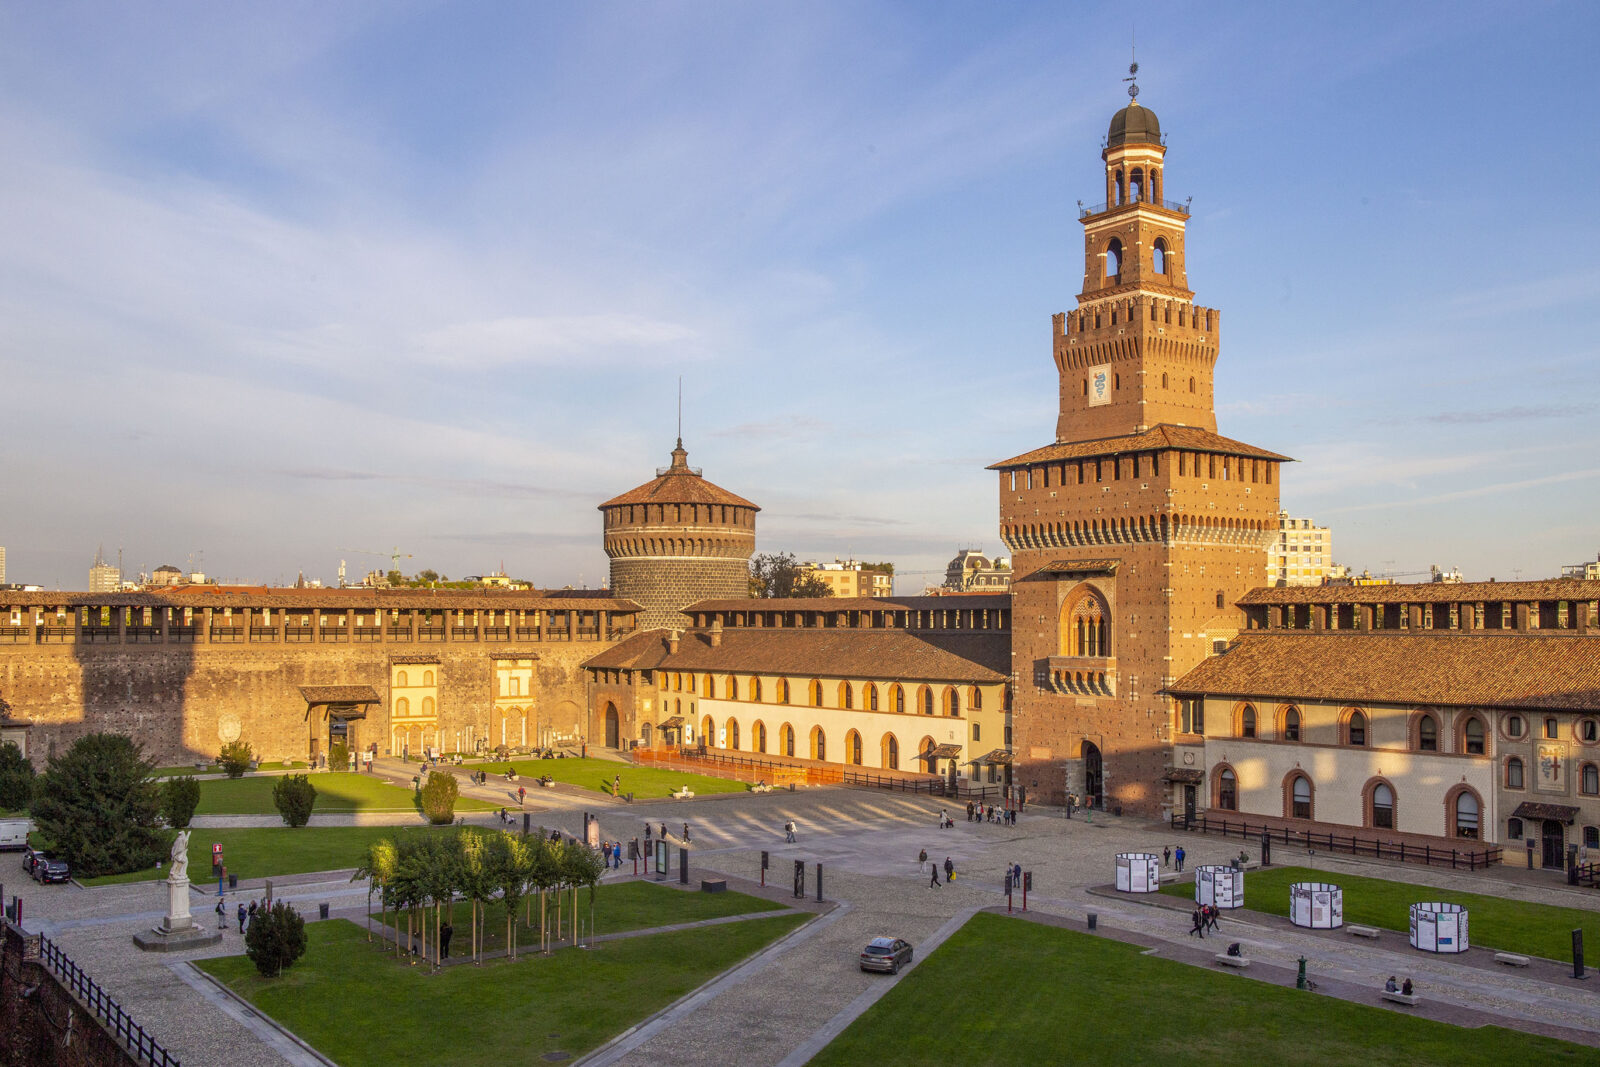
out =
column 678, row 539
column 1134, row 125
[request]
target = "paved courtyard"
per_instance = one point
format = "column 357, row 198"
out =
column 787, row 1002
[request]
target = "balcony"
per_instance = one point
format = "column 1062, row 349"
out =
column 1170, row 205
column 1084, row 676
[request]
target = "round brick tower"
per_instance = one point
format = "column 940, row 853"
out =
column 676, row 540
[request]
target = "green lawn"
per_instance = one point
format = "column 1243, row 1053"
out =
column 1094, row 1001
column 359, row 1006
column 1493, row 922
column 337, row 792
column 618, row 907
column 274, row 851
column 597, row 774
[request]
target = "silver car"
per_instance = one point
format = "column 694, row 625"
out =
column 886, row 954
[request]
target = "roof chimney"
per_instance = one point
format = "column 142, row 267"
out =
column 716, row 632
column 672, row 642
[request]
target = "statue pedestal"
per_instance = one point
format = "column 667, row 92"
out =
column 177, row 932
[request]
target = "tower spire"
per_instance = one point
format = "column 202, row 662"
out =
column 1133, row 74
column 680, row 411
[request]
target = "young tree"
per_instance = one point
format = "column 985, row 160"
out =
column 179, row 797
column 378, row 867
column 777, row 574
column 235, row 758
column 582, row 866
column 16, row 779
column 338, row 756
column 438, row 797
column 294, row 796
column 478, row 876
column 512, row 861
column 275, row 938
column 98, row 805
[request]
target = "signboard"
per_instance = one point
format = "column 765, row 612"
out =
column 661, row 857
column 1550, row 760
column 1100, row 385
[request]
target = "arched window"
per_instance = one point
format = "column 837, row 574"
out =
column 814, row 691
column 1159, row 256
column 427, row 706
column 1113, row 259
column 847, row 697
column 927, row 701
column 1514, row 773
column 977, row 699
column 819, row 744
column 899, row 700
column 891, row 752
column 1227, row 790
column 1427, row 734
column 761, row 737
column 788, row 740
column 1382, row 807
column 977, row 732
column 952, row 702
column 733, row 733
column 1356, row 728
column 1086, row 629
column 872, row 697
column 783, row 692
column 1247, row 722
column 755, row 690
column 731, row 684
column 1466, row 814
column 1291, row 724
column 1514, row 829
column 1300, row 797
column 1472, row 736
column 427, row 677
column 852, row 744
column 402, row 706
column 401, row 681
column 710, row 691
column 1589, row 780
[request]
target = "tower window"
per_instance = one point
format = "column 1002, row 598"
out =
column 1113, row 259
column 1159, row 256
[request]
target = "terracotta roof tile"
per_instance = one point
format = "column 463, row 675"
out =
column 1520, row 671
column 280, row 597
column 976, row 601
column 944, row 656
column 1429, row 592
column 679, row 484
column 340, row 694
column 1156, row 438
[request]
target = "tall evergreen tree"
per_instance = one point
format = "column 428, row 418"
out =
column 97, row 806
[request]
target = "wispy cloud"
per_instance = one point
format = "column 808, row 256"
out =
column 1495, row 489
column 1520, row 413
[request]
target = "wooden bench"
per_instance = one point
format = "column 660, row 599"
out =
column 1362, row 931
column 1402, row 998
column 1511, row 959
column 1232, row 961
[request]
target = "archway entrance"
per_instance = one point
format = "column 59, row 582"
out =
column 1554, row 838
column 613, row 726
column 1093, row 775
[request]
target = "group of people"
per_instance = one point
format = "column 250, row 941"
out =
column 949, row 869
column 987, row 813
column 1168, row 854
column 246, row 915
column 1403, row 990
column 611, row 853
column 1204, row 918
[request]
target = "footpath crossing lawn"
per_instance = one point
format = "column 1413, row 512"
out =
column 360, row 1007
column 1492, row 922
column 618, row 907
column 597, row 774
column 1061, row 997
column 338, row 792
column 269, row 852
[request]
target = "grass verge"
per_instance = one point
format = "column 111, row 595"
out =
column 1094, row 1001
column 1493, row 922
column 338, row 792
column 598, row 775
column 502, row 1012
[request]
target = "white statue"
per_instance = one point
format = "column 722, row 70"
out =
column 180, row 857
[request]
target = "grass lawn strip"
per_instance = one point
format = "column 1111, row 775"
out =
column 618, row 908
column 597, row 775
column 501, row 1013
column 1519, row 926
column 1090, row 1000
column 338, row 792
column 269, row 852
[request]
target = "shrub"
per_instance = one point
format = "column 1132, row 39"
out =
column 235, row 758
column 179, row 797
column 16, row 779
column 275, row 938
column 294, row 795
column 338, row 756
column 97, row 805
column 439, row 798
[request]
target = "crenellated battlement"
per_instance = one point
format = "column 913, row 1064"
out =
column 1106, row 313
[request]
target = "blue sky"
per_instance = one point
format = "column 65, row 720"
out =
column 283, row 282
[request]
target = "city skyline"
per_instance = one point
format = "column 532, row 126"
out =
column 287, row 283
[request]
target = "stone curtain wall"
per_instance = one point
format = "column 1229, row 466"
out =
column 37, row 1014
column 662, row 586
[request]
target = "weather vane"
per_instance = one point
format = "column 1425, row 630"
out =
column 1133, row 72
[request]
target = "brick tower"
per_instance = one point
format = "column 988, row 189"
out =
column 676, row 540
column 1133, row 534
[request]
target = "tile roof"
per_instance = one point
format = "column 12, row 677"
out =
column 340, row 694
column 1429, row 592
column 854, row 603
column 1509, row 671
column 220, row 596
column 942, row 656
column 1530, row 809
column 679, row 484
column 1156, row 438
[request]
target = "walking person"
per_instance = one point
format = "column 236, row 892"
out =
column 1178, row 855
column 949, row 870
column 922, row 860
column 788, row 830
column 1212, row 914
column 686, row 833
column 969, row 811
column 522, row 796
column 616, row 785
column 1197, row 925
column 933, row 876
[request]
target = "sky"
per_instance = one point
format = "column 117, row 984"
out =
column 286, row 284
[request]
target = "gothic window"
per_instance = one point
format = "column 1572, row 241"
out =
column 755, row 689
column 1472, row 737
column 783, row 691
column 899, row 700
column 1113, row 259
column 1160, row 265
column 1300, row 794
column 1087, row 628
column 952, row 701
column 872, row 697
column 927, row 701
column 977, row 699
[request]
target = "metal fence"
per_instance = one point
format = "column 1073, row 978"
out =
column 139, row 1044
column 1472, row 859
column 777, row 772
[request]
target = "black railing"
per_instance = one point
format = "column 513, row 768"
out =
column 936, row 787
column 1170, row 205
column 1471, row 859
column 1586, row 874
column 263, row 633
column 140, row 1044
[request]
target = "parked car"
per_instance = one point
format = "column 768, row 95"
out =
column 885, row 954
column 43, row 868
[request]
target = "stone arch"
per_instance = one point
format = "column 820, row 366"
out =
column 1371, row 808
column 613, row 726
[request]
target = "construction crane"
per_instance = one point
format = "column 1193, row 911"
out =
column 394, row 557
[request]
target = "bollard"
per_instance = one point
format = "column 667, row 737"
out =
column 1577, row 953
column 1300, row 981
column 799, row 878
column 233, row 881
column 1093, row 919
column 764, row 868
column 683, row 866
column 819, row 883
column 322, row 911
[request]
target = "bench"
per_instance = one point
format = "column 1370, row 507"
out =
column 1511, row 959
column 1168, row 876
column 762, row 788
column 1362, row 931
column 683, row 793
column 1232, row 961
column 1402, row 998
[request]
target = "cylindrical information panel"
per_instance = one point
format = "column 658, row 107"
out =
column 1316, row 905
column 1219, row 886
column 1138, row 872
column 1439, row 927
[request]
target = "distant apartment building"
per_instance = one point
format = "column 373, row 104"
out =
column 1585, row 571
column 851, row 578
column 973, row 572
column 1301, row 555
column 103, row 577
column 166, row 575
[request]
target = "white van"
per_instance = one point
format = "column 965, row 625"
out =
column 14, row 833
